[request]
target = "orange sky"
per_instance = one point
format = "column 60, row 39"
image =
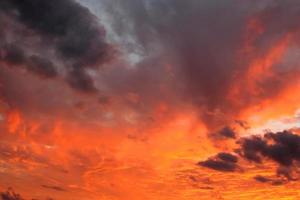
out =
column 121, row 100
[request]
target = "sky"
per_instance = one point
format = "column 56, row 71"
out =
column 149, row 99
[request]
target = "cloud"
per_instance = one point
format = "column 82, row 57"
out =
column 272, row 181
column 216, row 59
column 225, row 162
column 13, row 55
column 262, row 179
column 10, row 195
column 282, row 148
column 72, row 35
column 227, row 157
column 192, row 58
column 80, row 80
column 227, row 132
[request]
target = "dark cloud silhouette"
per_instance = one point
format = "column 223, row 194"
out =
column 251, row 147
column 74, row 29
column 222, row 162
column 65, row 27
column 218, row 165
column 10, row 195
column 80, row 80
column 41, row 66
column 227, row 157
column 12, row 54
column 227, row 132
column 283, row 149
column 15, row 56
column 262, row 179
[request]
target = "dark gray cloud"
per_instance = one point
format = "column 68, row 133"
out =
column 219, row 165
column 79, row 79
column 251, row 147
column 204, row 41
column 15, row 56
column 65, row 27
column 222, row 162
column 227, row 157
column 12, row 54
column 191, row 52
column 282, row 148
column 227, row 132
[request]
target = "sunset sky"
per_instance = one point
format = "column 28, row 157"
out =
column 149, row 100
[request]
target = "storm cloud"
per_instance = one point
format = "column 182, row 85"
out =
column 67, row 35
column 212, row 48
column 207, row 60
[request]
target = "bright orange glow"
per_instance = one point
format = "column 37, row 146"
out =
column 152, row 165
column 14, row 121
column 207, row 109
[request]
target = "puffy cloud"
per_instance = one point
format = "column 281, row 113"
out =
column 63, row 27
column 222, row 162
column 281, row 147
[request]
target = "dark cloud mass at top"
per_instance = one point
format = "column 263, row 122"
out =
column 60, row 26
column 205, row 42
